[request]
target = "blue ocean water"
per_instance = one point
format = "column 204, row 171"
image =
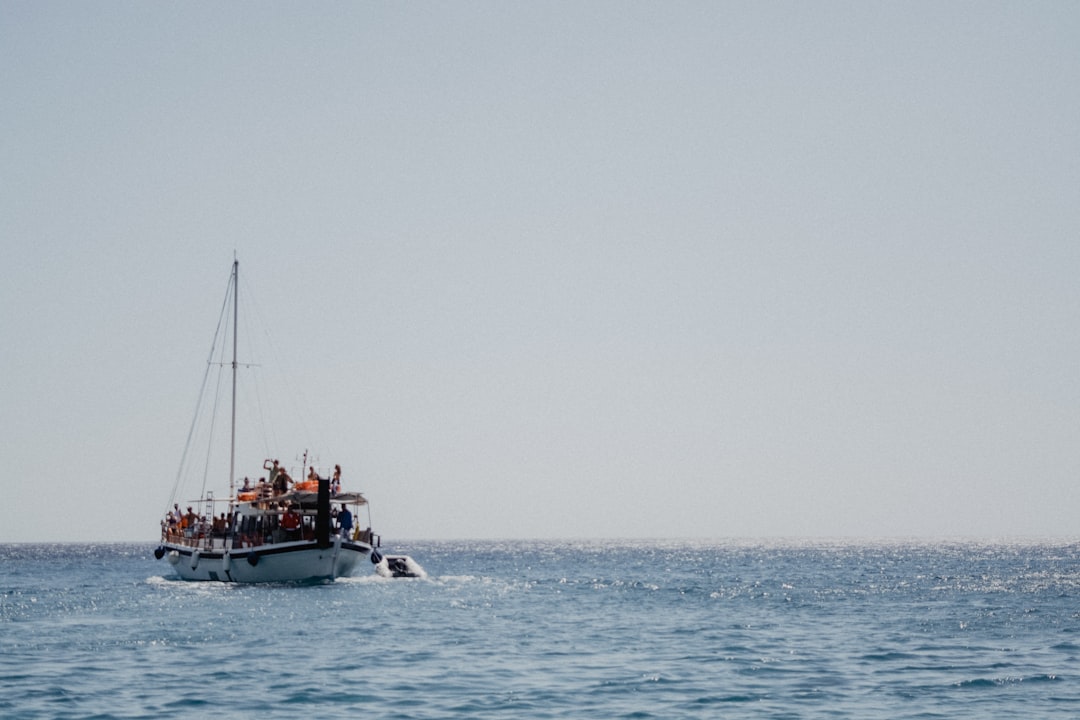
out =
column 650, row 629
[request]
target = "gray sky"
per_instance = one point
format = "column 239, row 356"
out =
column 553, row 269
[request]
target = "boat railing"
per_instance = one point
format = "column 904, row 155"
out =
column 237, row 540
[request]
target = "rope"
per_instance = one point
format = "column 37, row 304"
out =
column 202, row 391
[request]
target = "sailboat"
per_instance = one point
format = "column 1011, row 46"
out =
column 276, row 531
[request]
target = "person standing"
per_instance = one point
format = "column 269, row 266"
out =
column 335, row 481
column 189, row 522
column 345, row 523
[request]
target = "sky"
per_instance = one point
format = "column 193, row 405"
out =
column 552, row 269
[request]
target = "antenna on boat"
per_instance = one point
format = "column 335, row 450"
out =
column 232, row 435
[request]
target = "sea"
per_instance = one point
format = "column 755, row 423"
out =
column 782, row 628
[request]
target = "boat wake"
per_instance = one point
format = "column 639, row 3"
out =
column 399, row 566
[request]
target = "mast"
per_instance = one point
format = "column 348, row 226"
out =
column 232, row 434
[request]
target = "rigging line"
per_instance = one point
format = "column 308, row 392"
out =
column 250, row 401
column 202, row 392
column 266, row 429
column 214, row 413
column 290, row 388
column 190, row 435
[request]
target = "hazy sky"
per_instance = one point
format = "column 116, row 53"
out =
column 553, row 269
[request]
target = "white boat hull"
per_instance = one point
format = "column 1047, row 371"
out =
column 302, row 561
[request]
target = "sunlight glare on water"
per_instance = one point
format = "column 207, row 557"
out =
column 588, row 629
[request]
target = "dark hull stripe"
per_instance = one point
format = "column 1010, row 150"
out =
column 262, row 550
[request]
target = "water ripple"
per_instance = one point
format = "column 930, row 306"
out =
column 645, row 629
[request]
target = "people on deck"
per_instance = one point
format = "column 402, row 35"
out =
column 189, row 522
column 279, row 479
column 290, row 523
column 335, row 481
column 345, row 523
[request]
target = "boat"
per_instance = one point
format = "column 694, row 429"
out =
column 272, row 532
column 399, row 566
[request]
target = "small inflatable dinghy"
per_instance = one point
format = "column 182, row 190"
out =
column 399, row 566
